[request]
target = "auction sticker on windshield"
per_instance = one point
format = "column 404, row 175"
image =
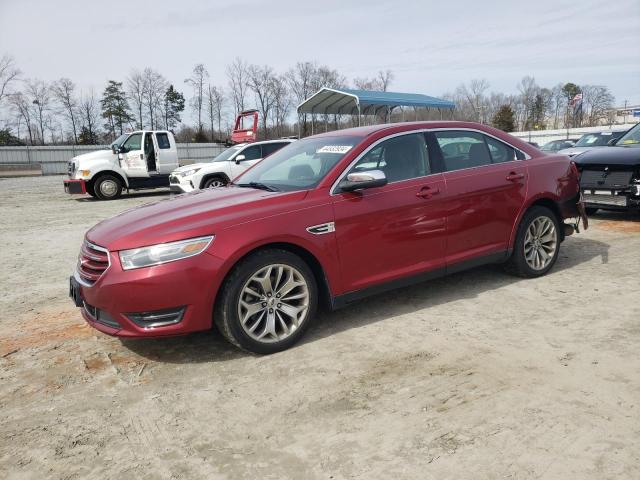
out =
column 334, row 149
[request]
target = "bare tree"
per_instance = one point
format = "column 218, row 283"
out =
column 261, row 82
column 22, row 106
column 237, row 77
column 90, row 114
column 197, row 81
column 215, row 100
column 528, row 89
column 136, row 92
column 64, row 90
column 597, row 101
column 558, row 104
column 154, row 86
column 471, row 100
column 281, row 104
column 40, row 95
column 8, row 74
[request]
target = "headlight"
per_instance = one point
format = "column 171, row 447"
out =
column 188, row 172
column 163, row 252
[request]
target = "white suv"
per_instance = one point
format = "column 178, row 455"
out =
column 223, row 168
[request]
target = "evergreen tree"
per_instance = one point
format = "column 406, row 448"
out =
column 173, row 105
column 87, row 137
column 504, row 119
column 115, row 108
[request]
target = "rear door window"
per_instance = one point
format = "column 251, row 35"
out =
column 269, row 148
column 500, row 152
column 462, row 149
column 163, row 140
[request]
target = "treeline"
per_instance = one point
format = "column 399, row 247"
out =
column 40, row 112
column 534, row 107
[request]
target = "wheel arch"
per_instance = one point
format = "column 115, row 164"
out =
column 101, row 173
column 207, row 176
column 322, row 281
column 540, row 201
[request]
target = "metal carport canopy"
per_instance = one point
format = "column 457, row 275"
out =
column 348, row 101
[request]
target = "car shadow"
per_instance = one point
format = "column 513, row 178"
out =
column 151, row 193
column 209, row 346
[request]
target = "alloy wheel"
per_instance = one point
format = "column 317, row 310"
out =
column 540, row 243
column 273, row 303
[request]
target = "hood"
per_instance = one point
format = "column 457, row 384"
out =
column 610, row 156
column 97, row 155
column 191, row 166
column 577, row 150
column 203, row 212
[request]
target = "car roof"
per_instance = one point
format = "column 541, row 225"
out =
column 400, row 126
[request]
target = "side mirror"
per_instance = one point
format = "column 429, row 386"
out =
column 122, row 149
column 239, row 158
column 114, row 149
column 612, row 142
column 361, row 180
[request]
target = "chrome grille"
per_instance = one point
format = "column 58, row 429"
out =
column 93, row 261
column 618, row 200
column 602, row 177
column 71, row 168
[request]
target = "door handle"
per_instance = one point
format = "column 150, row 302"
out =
column 427, row 192
column 513, row 176
column 141, row 156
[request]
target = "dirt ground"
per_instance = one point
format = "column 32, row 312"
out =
column 476, row 376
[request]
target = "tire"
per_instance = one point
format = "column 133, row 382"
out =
column 214, row 182
column 536, row 248
column 90, row 190
column 290, row 281
column 591, row 210
column 107, row 187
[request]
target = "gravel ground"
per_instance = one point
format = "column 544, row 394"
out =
column 478, row 375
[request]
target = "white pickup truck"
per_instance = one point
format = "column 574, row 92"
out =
column 137, row 160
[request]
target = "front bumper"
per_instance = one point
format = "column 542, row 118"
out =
column 73, row 186
column 181, row 184
column 611, row 199
column 120, row 296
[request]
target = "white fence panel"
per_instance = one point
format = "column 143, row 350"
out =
column 53, row 159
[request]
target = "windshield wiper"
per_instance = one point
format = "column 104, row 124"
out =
column 258, row 185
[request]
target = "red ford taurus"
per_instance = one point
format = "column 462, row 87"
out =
column 331, row 218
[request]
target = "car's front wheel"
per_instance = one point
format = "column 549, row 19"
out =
column 537, row 244
column 267, row 302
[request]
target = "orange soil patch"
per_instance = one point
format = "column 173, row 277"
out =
column 621, row 226
column 43, row 329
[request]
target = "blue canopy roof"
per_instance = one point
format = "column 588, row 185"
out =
column 348, row 101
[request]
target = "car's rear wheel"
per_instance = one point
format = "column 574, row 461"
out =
column 107, row 187
column 591, row 210
column 214, row 182
column 537, row 244
column 267, row 302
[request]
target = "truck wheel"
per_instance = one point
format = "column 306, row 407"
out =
column 90, row 190
column 267, row 302
column 107, row 187
column 537, row 244
column 214, row 182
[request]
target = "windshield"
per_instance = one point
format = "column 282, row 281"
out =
column 555, row 145
column 117, row 143
column 632, row 137
column 300, row 165
column 227, row 154
column 595, row 139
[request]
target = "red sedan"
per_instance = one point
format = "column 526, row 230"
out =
column 331, row 218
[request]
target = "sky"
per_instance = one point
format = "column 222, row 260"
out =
column 431, row 46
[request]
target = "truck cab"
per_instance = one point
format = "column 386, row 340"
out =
column 138, row 160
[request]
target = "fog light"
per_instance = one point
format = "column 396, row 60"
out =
column 157, row 318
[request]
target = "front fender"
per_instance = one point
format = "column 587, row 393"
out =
column 95, row 171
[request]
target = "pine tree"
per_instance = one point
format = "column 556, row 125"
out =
column 115, row 108
column 504, row 119
column 173, row 105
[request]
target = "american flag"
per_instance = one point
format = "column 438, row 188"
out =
column 576, row 99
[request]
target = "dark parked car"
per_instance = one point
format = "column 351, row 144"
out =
column 610, row 176
column 328, row 219
column 590, row 141
column 556, row 145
